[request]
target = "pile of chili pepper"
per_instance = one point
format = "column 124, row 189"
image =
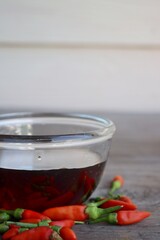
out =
column 56, row 223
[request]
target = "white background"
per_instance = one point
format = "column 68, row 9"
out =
column 80, row 55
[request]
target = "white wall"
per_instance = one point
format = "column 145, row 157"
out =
column 80, row 55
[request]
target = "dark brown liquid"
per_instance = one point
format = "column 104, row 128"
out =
column 41, row 189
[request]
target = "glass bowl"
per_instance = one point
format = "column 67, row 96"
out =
column 49, row 159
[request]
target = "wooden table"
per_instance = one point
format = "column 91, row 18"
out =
column 135, row 154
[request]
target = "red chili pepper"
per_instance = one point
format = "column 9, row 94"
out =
column 117, row 197
column 89, row 184
column 13, row 231
column 67, row 233
column 46, row 189
column 51, row 190
column 119, row 178
column 31, row 220
column 10, row 233
column 78, row 212
column 21, row 213
column 37, row 233
column 114, row 202
column 130, row 217
column 123, row 217
column 13, row 225
column 7, row 197
column 117, row 182
column 125, row 199
column 63, row 223
column 61, row 200
column 40, row 179
column 37, row 203
column 52, row 180
column 34, row 195
column 61, row 227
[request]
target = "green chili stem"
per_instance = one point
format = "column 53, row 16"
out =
column 10, row 212
column 28, row 225
column 78, row 222
column 56, row 228
column 110, row 209
column 99, row 203
column 110, row 218
column 22, row 229
column 95, row 212
column 22, row 224
column 115, row 186
column 3, row 228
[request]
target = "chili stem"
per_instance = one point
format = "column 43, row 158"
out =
column 22, row 224
column 110, row 209
column 78, row 222
column 95, row 212
column 99, row 203
column 10, row 212
column 107, row 218
column 28, row 225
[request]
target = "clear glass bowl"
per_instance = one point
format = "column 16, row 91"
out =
column 49, row 159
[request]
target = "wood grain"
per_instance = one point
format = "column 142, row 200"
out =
column 135, row 154
column 79, row 79
column 99, row 22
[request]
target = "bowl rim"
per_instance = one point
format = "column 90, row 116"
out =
column 106, row 130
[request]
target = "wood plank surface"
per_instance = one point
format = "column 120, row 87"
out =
column 58, row 54
column 135, row 154
column 82, row 22
column 79, row 79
